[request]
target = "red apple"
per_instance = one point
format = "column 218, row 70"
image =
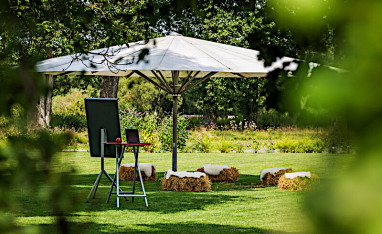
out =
column 118, row 140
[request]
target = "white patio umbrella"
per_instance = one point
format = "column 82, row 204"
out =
column 173, row 63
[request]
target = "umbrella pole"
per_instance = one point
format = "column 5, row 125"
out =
column 175, row 94
column 174, row 133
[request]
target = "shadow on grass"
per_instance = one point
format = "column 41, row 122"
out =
column 184, row 227
column 246, row 182
column 159, row 201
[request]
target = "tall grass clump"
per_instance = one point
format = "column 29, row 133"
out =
column 223, row 145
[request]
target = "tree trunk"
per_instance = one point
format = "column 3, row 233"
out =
column 44, row 106
column 109, row 88
column 209, row 118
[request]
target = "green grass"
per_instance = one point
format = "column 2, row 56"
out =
column 244, row 206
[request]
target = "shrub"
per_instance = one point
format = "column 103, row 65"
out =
column 131, row 118
column 75, row 139
column 223, row 124
column 149, row 129
column 68, row 111
column 70, row 104
column 195, row 122
column 146, row 123
column 235, row 123
column 238, row 147
column 223, row 146
column 202, row 144
column 305, row 145
column 69, row 121
column 165, row 132
column 273, row 119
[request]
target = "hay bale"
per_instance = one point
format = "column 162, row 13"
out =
column 230, row 174
column 126, row 172
column 199, row 183
column 271, row 176
column 298, row 183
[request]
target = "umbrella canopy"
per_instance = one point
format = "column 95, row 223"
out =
column 165, row 54
column 173, row 57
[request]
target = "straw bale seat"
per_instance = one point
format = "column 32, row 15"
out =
column 298, row 181
column 220, row 173
column 186, row 181
column 126, row 171
column 271, row 176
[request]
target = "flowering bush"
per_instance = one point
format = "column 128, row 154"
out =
column 165, row 132
column 270, row 146
column 200, row 143
column 146, row 123
column 131, row 118
column 153, row 132
column 149, row 132
column 238, row 147
column 263, row 147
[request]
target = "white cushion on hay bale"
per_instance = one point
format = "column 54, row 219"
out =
column 186, row 181
column 271, row 176
column 126, row 171
column 220, row 173
column 298, row 181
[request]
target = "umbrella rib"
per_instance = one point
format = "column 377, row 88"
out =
column 188, row 77
column 199, row 81
column 64, row 73
column 148, row 79
column 160, row 80
column 238, row 74
column 188, row 82
column 130, row 74
column 164, row 80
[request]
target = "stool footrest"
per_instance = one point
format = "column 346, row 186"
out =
column 123, row 192
column 131, row 195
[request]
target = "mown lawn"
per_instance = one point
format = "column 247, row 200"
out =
column 245, row 206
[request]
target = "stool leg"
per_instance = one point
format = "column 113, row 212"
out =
column 111, row 190
column 143, row 187
column 135, row 172
column 117, row 174
column 115, row 177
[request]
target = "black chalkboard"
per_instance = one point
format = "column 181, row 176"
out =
column 102, row 113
